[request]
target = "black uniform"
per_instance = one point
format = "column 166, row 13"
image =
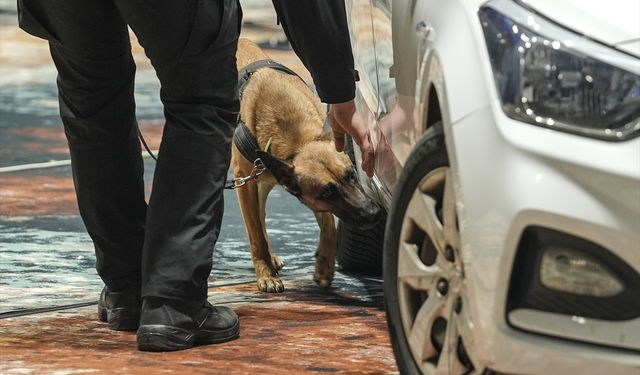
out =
column 318, row 33
column 166, row 247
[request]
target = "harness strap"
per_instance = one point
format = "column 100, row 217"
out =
column 245, row 73
column 244, row 140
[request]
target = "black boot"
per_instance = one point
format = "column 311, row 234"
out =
column 121, row 310
column 169, row 325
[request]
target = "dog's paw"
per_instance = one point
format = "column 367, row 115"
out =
column 323, row 281
column 324, row 271
column 270, row 284
column 277, row 262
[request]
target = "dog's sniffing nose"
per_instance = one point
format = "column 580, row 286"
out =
column 373, row 214
column 365, row 215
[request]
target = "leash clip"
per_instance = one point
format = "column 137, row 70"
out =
column 238, row 182
column 258, row 169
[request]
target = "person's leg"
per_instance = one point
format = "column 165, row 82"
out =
column 192, row 46
column 89, row 43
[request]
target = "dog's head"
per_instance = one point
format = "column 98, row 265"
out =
column 325, row 180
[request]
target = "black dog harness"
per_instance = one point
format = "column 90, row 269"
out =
column 244, row 140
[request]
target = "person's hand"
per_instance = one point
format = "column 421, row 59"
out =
column 346, row 120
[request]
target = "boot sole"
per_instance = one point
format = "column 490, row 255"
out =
column 119, row 319
column 162, row 338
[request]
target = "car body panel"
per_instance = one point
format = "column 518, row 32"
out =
column 361, row 30
column 396, row 130
column 480, row 135
column 600, row 20
column 632, row 47
column 537, row 188
column 404, row 83
column 362, row 42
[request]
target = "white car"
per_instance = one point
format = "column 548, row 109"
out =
column 508, row 158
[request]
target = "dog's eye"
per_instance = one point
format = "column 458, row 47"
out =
column 351, row 174
column 328, row 191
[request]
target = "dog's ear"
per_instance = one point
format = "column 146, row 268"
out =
column 281, row 170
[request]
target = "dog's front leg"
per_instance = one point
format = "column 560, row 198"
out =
column 326, row 253
column 266, row 272
column 264, row 188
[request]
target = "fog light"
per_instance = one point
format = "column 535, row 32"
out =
column 560, row 273
column 574, row 272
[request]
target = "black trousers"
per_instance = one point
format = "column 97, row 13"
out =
column 167, row 246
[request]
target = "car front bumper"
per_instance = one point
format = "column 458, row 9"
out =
column 511, row 176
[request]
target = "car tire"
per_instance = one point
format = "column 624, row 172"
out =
column 360, row 250
column 410, row 256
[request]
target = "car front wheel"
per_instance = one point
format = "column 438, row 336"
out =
column 425, row 294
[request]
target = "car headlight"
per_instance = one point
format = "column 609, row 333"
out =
column 549, row 76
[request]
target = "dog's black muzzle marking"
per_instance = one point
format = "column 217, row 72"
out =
column 362, row 213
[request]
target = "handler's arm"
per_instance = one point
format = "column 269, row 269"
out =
column 318, row 33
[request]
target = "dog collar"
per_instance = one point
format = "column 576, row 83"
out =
column 246, row 142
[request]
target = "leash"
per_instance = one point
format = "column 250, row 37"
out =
column 258, row 169
column 41, row 310
column 145, row 143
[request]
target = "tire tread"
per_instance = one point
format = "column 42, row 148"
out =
column 360, row 250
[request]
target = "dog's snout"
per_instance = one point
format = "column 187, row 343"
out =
column 377, row 212
column 358, row 209
column 371, row 215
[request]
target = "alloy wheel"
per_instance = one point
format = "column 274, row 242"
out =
column 430, row 279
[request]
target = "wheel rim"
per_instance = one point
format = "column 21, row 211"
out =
column 431, row 293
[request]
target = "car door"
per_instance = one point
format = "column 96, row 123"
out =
column 363, row 46
column 397, row 125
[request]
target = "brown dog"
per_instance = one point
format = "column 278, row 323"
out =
column 280, row 110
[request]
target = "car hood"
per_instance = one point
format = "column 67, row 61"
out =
column 613, row 22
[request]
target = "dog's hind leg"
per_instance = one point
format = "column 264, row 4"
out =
column 326, row 253
column 252, row 213
column 263, row 192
